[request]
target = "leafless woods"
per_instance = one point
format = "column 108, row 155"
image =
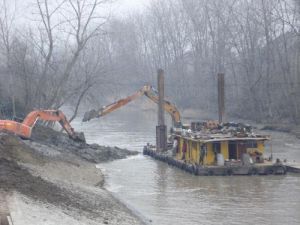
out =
column 44, row 56
column 72, row 49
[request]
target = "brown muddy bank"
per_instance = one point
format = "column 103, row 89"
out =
column 286, row 128
column 91, row 152
column 52, row 174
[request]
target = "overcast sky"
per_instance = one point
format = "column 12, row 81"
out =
column 119, row 8
column 127, row 6
column 25, row 8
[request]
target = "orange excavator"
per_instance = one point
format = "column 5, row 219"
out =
column 24, row 129
column 146, row 90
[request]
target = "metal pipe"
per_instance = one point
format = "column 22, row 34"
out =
column 221, row 97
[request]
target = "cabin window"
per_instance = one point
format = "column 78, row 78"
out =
column 241, row 149
column 203, row 153
column 232, row 149
column 217, row 147
column 251, row 144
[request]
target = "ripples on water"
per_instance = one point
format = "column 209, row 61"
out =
column 168, row 195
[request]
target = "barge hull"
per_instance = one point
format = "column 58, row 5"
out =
column 230, row 170
column 293, row 168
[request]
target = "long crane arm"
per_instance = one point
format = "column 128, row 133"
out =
column 146, row 90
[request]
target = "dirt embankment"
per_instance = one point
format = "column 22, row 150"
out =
column 91, row 152
column 287, row 128
column 52, row 174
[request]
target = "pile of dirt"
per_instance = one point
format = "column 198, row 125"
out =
column 286, row 128
column 15, row 153
column 90, row 152
column 14, row 177
column 278, row 127
column 32, row 173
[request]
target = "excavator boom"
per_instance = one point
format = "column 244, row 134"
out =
column 168, row 107
column 113, row 106
column 24, row 129
column 146, row 90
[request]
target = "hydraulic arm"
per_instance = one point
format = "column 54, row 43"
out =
column 146, row 90
column 24, row 129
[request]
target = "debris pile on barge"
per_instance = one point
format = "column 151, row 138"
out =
column 209, row 148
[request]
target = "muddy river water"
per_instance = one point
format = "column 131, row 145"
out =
column 165, row 195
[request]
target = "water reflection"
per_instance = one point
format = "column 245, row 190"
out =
column 168, row 195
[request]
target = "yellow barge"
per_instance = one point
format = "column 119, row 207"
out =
column 209, row 148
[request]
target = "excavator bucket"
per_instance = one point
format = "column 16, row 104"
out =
column 90, row 115
column 79, row 136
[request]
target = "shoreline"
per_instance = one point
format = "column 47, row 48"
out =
column 52, row 160
column 284, row 128
column 132, row 209
column 48, row 185
column 144, row 220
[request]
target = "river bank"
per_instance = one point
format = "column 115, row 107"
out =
column 166, row 195
column 53, row 180
column 286, row 128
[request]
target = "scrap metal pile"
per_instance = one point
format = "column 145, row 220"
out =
column 213, row 129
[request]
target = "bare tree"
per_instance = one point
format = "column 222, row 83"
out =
column 6, row 36
column 84, row 23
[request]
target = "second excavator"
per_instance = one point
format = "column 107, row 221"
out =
column 146, row 90
column 24, row 129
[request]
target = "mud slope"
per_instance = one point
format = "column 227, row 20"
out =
column 55, row 173
column 93, row 153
